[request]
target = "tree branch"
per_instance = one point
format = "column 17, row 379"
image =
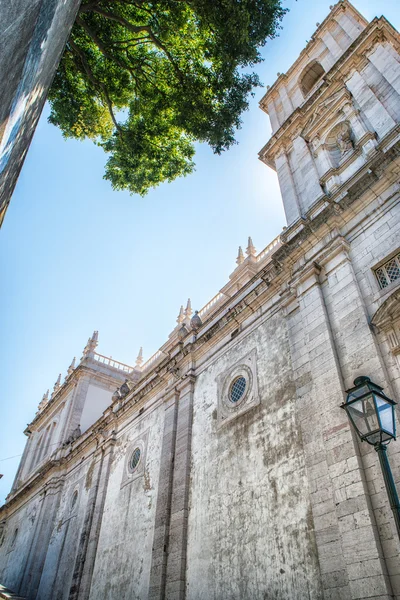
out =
column 138, row 29
column 95, row 82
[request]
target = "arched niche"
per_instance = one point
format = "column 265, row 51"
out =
column 309, row 76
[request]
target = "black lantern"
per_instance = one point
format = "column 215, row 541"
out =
column 371, row 411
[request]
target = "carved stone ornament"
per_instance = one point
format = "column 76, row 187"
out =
column 123, row 390
column 344, row 138
column 246, row 371
column 196, row 322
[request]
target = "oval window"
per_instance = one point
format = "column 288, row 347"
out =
column 134, row 460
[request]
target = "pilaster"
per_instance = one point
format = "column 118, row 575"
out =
column 387, row 65
column 359, row 354
column 51, row 497
column 307, row 173
column 176, row 562
column 163, row 509
column 373, row 109
column 288, row 190
column 89, row 537
column 273, row 116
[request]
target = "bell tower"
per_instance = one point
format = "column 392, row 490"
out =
column 334, row 113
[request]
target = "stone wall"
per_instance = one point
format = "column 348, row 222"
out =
column 32, row 37
column 250, row 526
column 123, row 558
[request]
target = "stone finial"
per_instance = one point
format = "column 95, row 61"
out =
column 196, row 322
column 44, row 400
column 71, row 367
column 91, row 345
column 240, row 257
column 250, row 250
column 57, row 386
column 181, row 316
column 94, row 341
column 139, row 360
column 188, row 309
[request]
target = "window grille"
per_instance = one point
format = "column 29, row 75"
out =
column 389, row 271
column 237, row 390
column 134, row 461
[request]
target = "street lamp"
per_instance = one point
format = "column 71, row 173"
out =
column 371, row 413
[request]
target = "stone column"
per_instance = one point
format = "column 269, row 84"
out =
column 89, row 537
column 176, row 562
column 375, row 112
column 163, row 508
column 308, row 175
column 288, row 190
column 349, row 552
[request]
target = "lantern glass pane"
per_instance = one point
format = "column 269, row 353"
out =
column 386, row 416
column 363, row 414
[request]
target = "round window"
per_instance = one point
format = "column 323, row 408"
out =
column 135, row 459
column 237, row 389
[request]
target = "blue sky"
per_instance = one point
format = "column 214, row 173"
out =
column 76, row 256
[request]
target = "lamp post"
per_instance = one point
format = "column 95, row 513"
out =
column 371, row 413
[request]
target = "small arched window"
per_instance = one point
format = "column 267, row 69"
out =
column 14, row 538
column 310, row 75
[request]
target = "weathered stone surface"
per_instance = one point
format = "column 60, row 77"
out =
column 33, row 34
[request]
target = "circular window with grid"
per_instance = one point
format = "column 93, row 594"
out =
column 237, row 389
column 134, row 459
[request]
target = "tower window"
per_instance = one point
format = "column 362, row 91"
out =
column 389, row 271
column 14, row 538
column 310, row 75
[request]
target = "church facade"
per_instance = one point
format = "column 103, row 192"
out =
column 224, row 468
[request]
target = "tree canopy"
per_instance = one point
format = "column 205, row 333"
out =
column 145, row 80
